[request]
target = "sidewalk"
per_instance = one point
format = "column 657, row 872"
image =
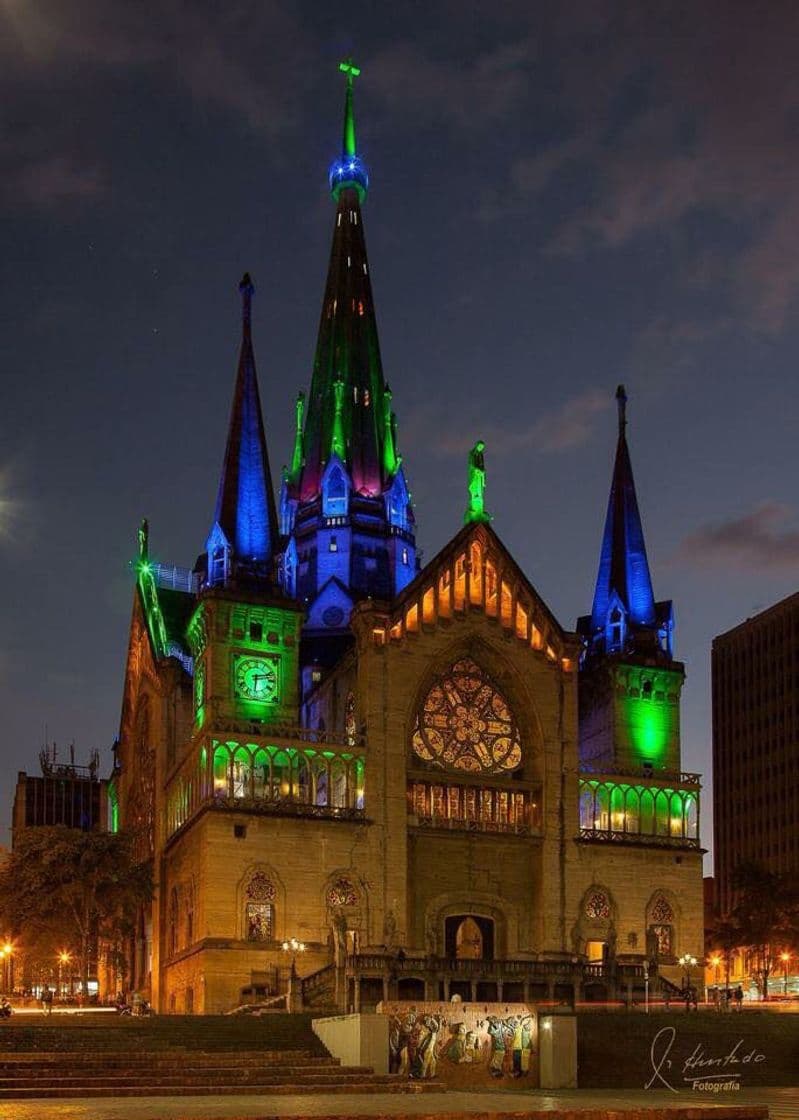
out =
column 783, row 1103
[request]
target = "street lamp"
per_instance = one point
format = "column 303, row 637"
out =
column 63, row 958
column 687, row 962
column 294, row 947
column 785, row 957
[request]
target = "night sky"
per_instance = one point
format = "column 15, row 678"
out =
column 564, row 196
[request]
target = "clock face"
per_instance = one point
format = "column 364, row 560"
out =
column 256, row 678
column 199, row 684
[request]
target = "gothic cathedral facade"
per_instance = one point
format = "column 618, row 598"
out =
column 418, row 774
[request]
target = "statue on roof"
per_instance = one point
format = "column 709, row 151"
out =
column 476, row 510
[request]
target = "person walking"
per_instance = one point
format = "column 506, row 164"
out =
column 47, row 1000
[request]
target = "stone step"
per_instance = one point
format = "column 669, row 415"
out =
column 388, row 1084
column 199, row 1077
column 285, row 1061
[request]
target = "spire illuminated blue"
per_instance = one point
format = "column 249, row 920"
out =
column 623, row 583
column 245, row 521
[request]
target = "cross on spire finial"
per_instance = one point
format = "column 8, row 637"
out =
column 352, row 71
column 246, row 289
column 621, row 402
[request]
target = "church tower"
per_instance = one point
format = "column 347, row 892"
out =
column 345, row 507
column 244, row 633
column 629, row 681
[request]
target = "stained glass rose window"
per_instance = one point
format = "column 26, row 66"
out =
column 662, row 911
column 465, row 724
column 342, row 893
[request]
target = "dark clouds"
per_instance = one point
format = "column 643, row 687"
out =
column 564, row 196
column 764, row 540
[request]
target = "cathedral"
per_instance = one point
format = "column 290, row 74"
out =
column 362, row 779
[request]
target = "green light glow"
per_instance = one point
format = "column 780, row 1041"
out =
column 352, row 72
column 651, row 725
column 391, row 461
column 337, row 445
column 476, row 510
column 296, row 458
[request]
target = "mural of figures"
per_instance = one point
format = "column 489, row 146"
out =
column 464, row 1044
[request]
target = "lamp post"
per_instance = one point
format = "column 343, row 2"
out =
column 785, row 957
column 688, row 962
column 646, row 986
column 63, row 958
column 294, row 947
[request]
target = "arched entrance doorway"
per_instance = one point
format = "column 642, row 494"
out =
column 469, row 937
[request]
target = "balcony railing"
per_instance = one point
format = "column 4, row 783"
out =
column 463, row 824
column 612, row 836
column 379, row 963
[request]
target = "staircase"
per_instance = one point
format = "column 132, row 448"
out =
column 178, row 1056
column 319, row 990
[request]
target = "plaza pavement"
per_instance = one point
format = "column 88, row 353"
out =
column 783, row 1104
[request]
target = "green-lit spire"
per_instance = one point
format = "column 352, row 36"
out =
column 391, row 460
column 337, row 444
column 296, row 458
column 348, row 170
column 476, row 511
column 347, row 67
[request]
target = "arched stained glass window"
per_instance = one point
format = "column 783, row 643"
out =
column 597, row 906
column 465, row 724
column 661, row 910
column 342, row 892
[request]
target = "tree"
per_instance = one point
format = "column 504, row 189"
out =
column 766, row 916
column 725, row 937
column 78, row 887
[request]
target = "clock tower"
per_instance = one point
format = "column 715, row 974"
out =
column 244, row 633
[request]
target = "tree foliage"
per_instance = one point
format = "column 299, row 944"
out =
column 763, row 922
column 73, row 886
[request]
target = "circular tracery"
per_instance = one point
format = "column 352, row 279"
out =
column 465, row 724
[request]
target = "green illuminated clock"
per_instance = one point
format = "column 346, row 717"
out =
column 199, row 685
column 256, row 678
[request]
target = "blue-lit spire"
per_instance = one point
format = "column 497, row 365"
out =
column 244, row 533
column 623, row 585
column 348, row 170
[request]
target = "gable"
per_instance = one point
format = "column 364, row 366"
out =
column 475, row 572
column 332, row 607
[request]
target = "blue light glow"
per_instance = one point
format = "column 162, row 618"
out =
column 349, row 172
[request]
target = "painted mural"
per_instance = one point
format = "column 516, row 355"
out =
column 462, row 1044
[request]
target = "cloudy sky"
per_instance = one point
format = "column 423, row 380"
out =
column 563, row 197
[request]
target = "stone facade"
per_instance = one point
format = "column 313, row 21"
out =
column 394, row 866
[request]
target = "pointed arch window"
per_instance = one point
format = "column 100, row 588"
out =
column 465, row 723
column 597, row 906
column 259, row 908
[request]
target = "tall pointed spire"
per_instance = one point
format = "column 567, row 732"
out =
column 245, row 519
column 347, row 348
column 347, row 509
column 623, row 582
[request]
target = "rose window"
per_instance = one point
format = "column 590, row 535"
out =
column 260, row 888
column 466, row 724
column 662, row 911
column 342, row 893
column 597, row 905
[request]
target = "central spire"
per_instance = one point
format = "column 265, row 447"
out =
column 345, row 504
